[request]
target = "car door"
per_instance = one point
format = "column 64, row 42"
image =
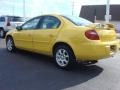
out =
column 23, row 38
column 43, row 38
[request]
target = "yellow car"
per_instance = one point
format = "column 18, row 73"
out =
column 68, row 39
column 118, row 37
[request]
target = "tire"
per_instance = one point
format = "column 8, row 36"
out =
column 64, row 57
column 10, row 44
column 2, row 33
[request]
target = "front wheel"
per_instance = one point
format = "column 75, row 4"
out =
column 64, row 57
column 10, row 44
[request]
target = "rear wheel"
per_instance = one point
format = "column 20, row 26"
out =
column 64, row 57
column 10, row 44
column 2, row 33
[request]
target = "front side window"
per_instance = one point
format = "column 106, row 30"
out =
column 49, row 22
column 31, row 24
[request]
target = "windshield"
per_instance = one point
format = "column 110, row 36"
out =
column 78, row 20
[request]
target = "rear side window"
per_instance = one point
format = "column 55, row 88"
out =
column 49, row 22
column 78, row 20
column 16, row 19
column 2, row 19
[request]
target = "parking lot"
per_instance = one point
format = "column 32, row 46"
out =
column 28, row 71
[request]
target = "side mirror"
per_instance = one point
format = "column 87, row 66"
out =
column 19, row 28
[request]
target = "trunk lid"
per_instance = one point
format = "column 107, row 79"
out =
column 106, row 35
column 106, row 32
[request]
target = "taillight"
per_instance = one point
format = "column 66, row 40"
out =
column 92, row 35
column 8, row 23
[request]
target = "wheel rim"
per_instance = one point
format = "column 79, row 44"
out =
column 9, row 44
column 1, row 33
column 62, row 57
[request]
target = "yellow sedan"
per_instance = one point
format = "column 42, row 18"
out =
column 68, row 39
column 118, row 37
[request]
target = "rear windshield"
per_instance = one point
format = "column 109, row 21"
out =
column 16, row 19
column 78, row 20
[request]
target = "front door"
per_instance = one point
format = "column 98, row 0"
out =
column 46, row 34
column 23, row 38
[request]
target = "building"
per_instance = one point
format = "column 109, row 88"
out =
column 96, row 13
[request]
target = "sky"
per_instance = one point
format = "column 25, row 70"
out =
column 38, row 7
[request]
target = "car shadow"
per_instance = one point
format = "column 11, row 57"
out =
column 31, row 71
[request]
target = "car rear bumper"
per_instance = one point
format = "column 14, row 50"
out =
column 119, row 44
column 95, row 51
column 118, row 37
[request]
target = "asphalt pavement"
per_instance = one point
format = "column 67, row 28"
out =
column 29, row 71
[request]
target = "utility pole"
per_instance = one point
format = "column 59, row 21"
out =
column 72, row 7
column 107, row 16
column 13, row 10
column 24, row 13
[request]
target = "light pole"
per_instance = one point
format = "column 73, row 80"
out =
column 72, row 7
column 107, row 16
column 13, row 10
column 24, row 14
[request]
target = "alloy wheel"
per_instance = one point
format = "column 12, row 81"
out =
column 1, row 33
column 62, row 57
column 9, row 44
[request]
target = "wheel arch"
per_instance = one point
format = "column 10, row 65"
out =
column 9, row 36
column 62, row 43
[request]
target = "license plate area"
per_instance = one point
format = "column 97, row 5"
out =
column 113, row 48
